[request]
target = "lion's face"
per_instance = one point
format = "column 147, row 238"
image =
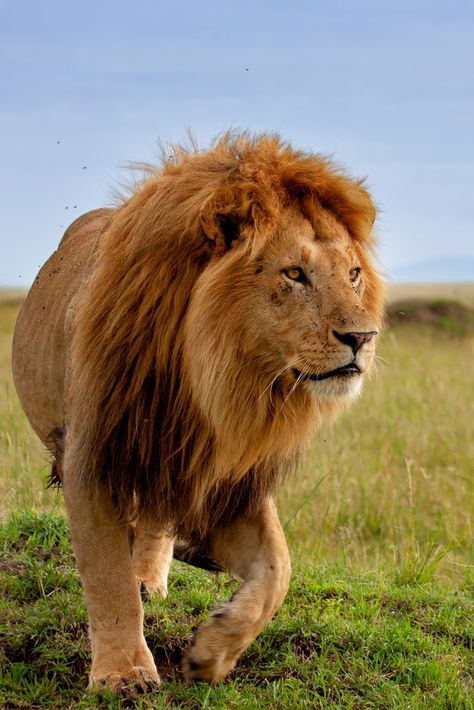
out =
column 297, row 314
column 311, row 306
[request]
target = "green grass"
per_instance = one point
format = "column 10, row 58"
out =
column 380, row 522
column 340, row 641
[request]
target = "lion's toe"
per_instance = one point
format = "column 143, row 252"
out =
column 151, row 587
column 130, row 685
column 211, row 670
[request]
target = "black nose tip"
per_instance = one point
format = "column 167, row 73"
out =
column 355, row 340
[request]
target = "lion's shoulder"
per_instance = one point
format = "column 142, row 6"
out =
column 94, row 221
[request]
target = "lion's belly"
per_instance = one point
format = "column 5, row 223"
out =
column 44, row 326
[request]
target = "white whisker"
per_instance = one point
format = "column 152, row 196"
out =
column 305, row 369
column 289, row 365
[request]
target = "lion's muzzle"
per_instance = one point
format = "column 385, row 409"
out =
column 355, row 340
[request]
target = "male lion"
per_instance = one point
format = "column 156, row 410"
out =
column 175, row 354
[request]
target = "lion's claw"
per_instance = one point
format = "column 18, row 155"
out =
column 150, row 589
column 211, row 670
column 137, row 681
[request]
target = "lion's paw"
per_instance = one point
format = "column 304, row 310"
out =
column 151, row 587
column 212, row 668
column 137, row 681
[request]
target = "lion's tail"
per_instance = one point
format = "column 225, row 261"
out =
column 55, row 444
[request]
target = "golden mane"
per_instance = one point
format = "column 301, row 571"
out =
column 145, row 439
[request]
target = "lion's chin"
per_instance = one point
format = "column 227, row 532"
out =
column 346, row 388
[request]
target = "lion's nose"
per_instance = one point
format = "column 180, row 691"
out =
column 355, row 340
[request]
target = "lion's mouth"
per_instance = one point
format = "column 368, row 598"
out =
column 345, row 371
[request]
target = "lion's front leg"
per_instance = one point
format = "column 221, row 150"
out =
column 152, row 556
column 121, row 659
column 256, row 551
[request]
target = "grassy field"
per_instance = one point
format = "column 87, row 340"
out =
column 390, row 485
column 380, row 521
column 340, row 641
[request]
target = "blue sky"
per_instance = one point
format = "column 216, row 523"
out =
column 387, row 88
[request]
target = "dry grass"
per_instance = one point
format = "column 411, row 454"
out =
column 23, row 462
column 396, row 471
column 390, row 485
column 462, row 292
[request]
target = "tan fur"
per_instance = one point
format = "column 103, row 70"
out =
column 165, row 339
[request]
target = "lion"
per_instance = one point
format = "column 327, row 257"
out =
column 175, row 355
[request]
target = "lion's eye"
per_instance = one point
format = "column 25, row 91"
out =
column 354, row 274
column 295, row 273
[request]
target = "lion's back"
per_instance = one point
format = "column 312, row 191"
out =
column 41, row 338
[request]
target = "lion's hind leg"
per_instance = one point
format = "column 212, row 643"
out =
column 152, row 554
column 255, row 551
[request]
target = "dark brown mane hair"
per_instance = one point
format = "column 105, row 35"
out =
column 144, row 440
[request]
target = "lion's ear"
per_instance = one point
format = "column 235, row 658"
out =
column 223, row 233
column 229, row 229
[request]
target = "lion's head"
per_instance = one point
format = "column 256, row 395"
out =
column 234, row 305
